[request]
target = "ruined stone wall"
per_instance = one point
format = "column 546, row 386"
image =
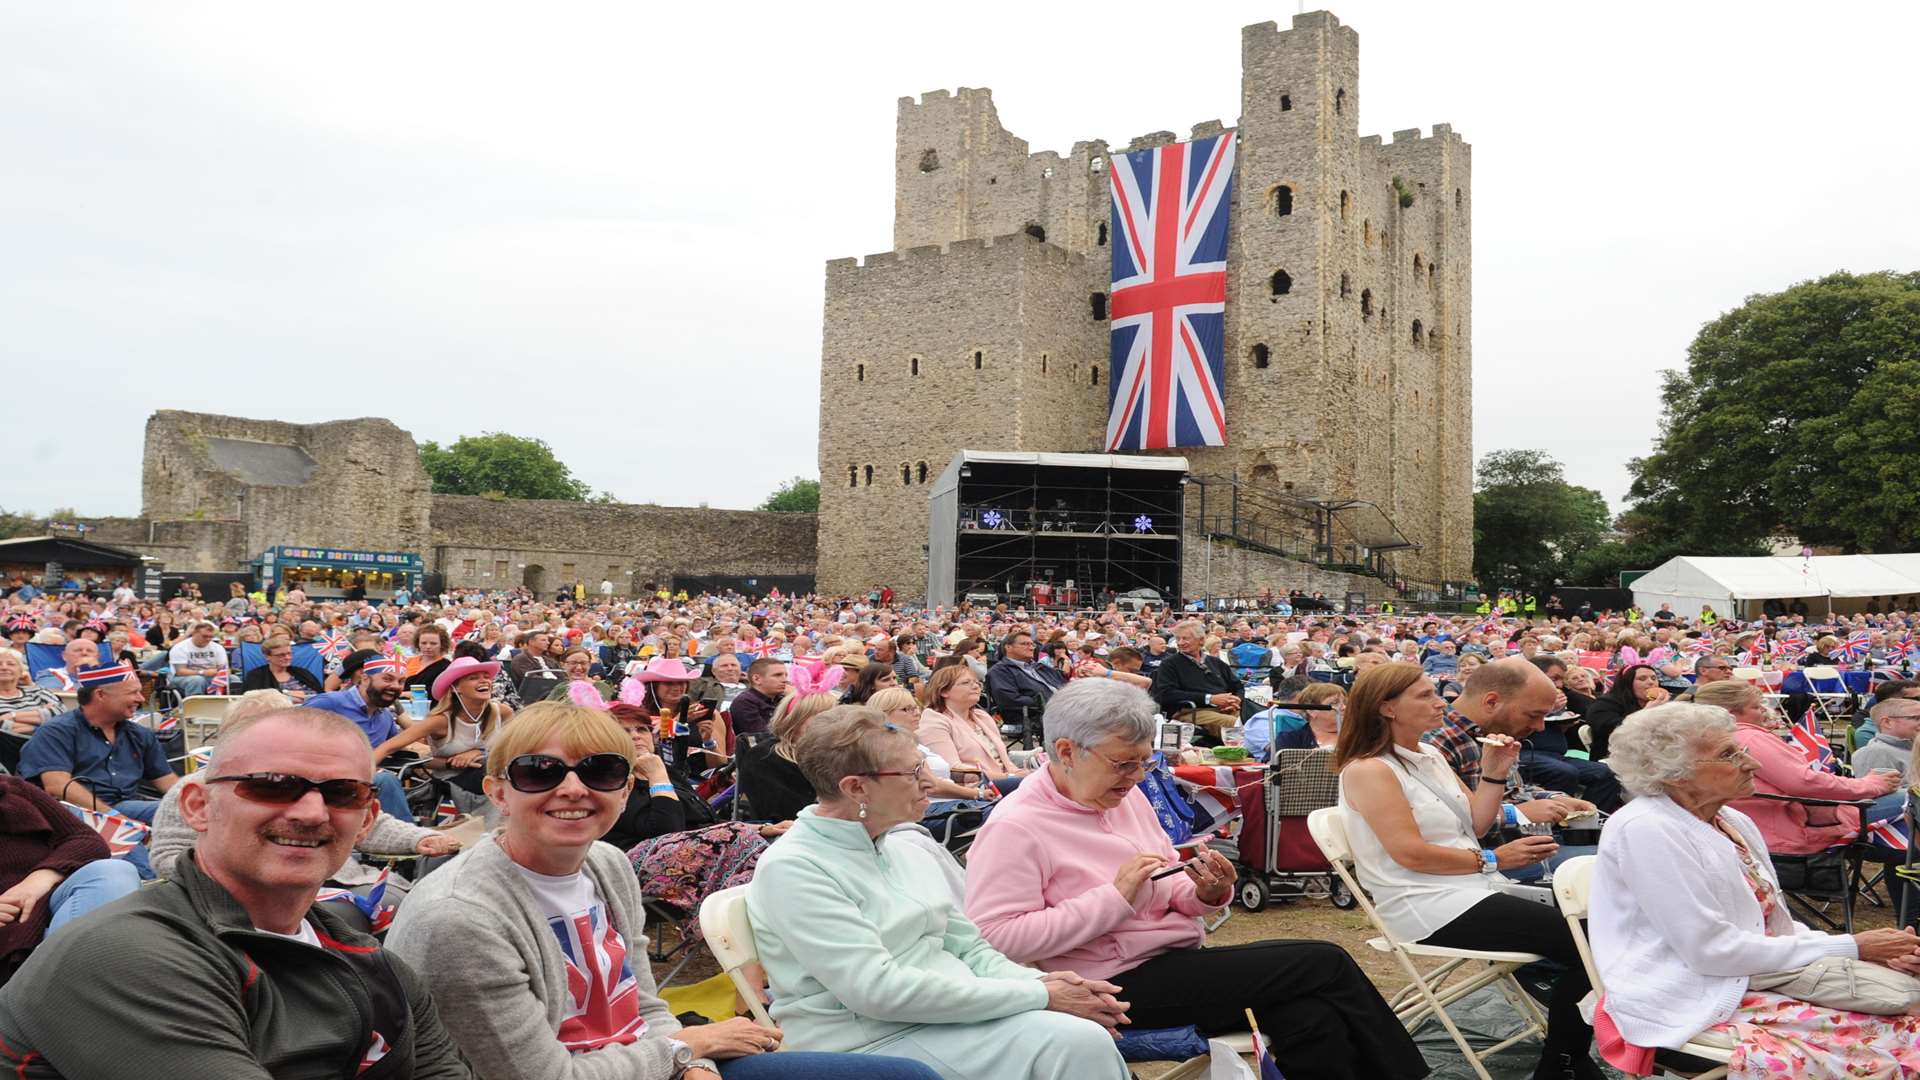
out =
column 1236, row 571
column 504, row 543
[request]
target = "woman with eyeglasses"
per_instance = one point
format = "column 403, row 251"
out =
column 1322, row 726
column 1792, row 828
column 1073, row 872
column 532, row 941
column 1691, row 934
column 866, row 949
column 955, row 727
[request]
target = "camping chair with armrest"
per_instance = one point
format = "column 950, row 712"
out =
column 1813, row 881
column 1429, row 992
column 1573, row 889
column 201, row 715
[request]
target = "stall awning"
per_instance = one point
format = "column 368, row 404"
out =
column 65, row 550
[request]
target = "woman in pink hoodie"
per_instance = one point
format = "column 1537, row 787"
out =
column 1064, row 876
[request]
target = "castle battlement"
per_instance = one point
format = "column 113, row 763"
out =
column 958, row 250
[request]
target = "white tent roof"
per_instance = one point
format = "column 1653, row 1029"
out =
column 1700, row 579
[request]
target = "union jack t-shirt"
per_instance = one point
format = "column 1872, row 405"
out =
column 603, row 1006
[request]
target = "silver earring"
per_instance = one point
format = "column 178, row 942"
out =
column 863, row 811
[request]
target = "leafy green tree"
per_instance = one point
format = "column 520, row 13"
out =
column 796, row 496
column 1528, row 521
column 12, row 525
column 1798, row 414
column 500, row 465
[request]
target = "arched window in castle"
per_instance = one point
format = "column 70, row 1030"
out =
column 869, row 475
column 1260, row 355
column 1366, row 303
column 1099, row 303
column 1345, row 201
column 1340, row 100
column 977, row 359
column 1286, row 103
column 859, row 373
column 1281, row 283
column 906, row 474
column 1419, row 333
column 1036, row 232
column 920, row 471
column 1280, row 200
column 853, row 476
column 1419, row 265
column 1430, row 267
column 929, row 160
column 1100, row 238
column 1366, row 231
column 913, row 365
column 1346, row 287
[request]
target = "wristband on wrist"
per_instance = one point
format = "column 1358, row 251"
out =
column 1485, row 778
column 1510, row 814
column 1489, row 862
column 659, row 789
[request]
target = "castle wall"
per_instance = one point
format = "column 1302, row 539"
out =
column 1232, row 570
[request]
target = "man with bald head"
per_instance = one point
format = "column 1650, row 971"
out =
column 1509, row 697
column 239, row 973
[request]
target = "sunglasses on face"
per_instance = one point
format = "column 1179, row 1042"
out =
column 535, row 773
column 285, row 789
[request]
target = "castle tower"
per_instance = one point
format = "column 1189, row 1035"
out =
column 1348, row 331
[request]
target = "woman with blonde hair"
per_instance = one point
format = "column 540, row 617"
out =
column 770, row 780
column 1322, row 726
column 532, row 941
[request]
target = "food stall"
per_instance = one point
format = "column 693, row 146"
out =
column 338, row 574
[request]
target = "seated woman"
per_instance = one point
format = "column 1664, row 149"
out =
column 1414, row 829
column 172, row 837
column 871, row 678
column 278, row 673
column 955, row 727
column 53, row 869
column 866, row 950
column 1323, row 725
column 1686, row 909
column 577, row 662
column 1062, row 876
column 1781, row 769
column 1635, row 688
column 680, row 850
column 769, row 774
column 458, row 725
column 532, row 941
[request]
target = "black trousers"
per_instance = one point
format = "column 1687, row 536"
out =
column 1514, row 925
column 1318, row 1012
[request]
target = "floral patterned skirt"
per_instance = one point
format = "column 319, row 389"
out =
column 684, row 868
column 1780, row 1036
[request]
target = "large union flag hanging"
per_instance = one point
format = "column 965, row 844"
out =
column 1169, row 295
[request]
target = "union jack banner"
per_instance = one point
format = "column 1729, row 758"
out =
column 1168, row 305
column 1891, row 832
column 1812, row 745
column 121, row 832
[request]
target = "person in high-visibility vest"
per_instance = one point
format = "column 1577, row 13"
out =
column 1386, row 607
column 1633, row 614
column 1707, row 617
column 1485, row 607
column 1530, row 605
column 1507, row 604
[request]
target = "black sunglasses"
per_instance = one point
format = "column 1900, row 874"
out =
column 534, row 773
column 284, row 789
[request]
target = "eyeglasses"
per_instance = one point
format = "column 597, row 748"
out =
column 917, row 772
column 1732, row 755
column 1135, row 767
column 285, row 789
column 535, row 773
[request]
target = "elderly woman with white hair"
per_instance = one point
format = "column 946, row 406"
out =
column 1687, row 910
column 1069, row 873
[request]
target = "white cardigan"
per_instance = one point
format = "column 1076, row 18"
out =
column 1675, row 928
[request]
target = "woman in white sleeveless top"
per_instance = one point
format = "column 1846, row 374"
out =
column 1414, row 830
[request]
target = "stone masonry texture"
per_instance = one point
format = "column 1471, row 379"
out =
column 1349, row 317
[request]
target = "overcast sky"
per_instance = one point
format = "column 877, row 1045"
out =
column 604, row 225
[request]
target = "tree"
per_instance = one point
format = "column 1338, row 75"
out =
column 1528, row 521
column 796, row 496
column 500, row 465
column 12, row 525
column 1796, row 415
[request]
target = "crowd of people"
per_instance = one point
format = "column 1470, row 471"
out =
column 636, row 755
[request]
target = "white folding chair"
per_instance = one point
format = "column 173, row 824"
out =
column 1573, row 888
column 729, row 934
column 1430, row 992
column 203, row 714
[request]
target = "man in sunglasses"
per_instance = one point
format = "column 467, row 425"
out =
column 239, row 972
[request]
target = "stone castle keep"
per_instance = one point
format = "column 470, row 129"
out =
column 1348, row 319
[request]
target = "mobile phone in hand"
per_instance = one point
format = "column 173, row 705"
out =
column 1176, row 868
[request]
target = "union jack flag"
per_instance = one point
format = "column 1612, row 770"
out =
column 1813, row 746
column 217, row 684
column 603, row 1005
column 1891, row 832
column 167, row 724
column 446, row 813
column 332, row 645
column 378, row 914
column 1168, row 306
column 1856, row 646
column 121, row 832
column 1792, row 648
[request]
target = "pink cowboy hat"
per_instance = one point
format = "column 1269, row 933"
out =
column 665, row 669
column 459, row 669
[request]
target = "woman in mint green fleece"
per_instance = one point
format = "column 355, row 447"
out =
column 866, row 951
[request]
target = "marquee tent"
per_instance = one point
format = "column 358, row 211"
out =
column 1727, row 585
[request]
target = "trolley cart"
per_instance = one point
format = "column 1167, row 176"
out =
column 1275, row 854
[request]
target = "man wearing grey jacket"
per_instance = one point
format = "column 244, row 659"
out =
column 229, row 969
column 1897, row 720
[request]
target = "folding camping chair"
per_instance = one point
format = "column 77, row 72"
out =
column 1573, row 889
column 1813, row 882
column 729, row 934
column 1429, row 992
column 202, row 715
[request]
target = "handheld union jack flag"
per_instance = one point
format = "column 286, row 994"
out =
column 1168, row 306
column 1812, row 745
column 1856, row 647
column 333, row 644
column 446, row 813
column 121, row 833
column 378, row 914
